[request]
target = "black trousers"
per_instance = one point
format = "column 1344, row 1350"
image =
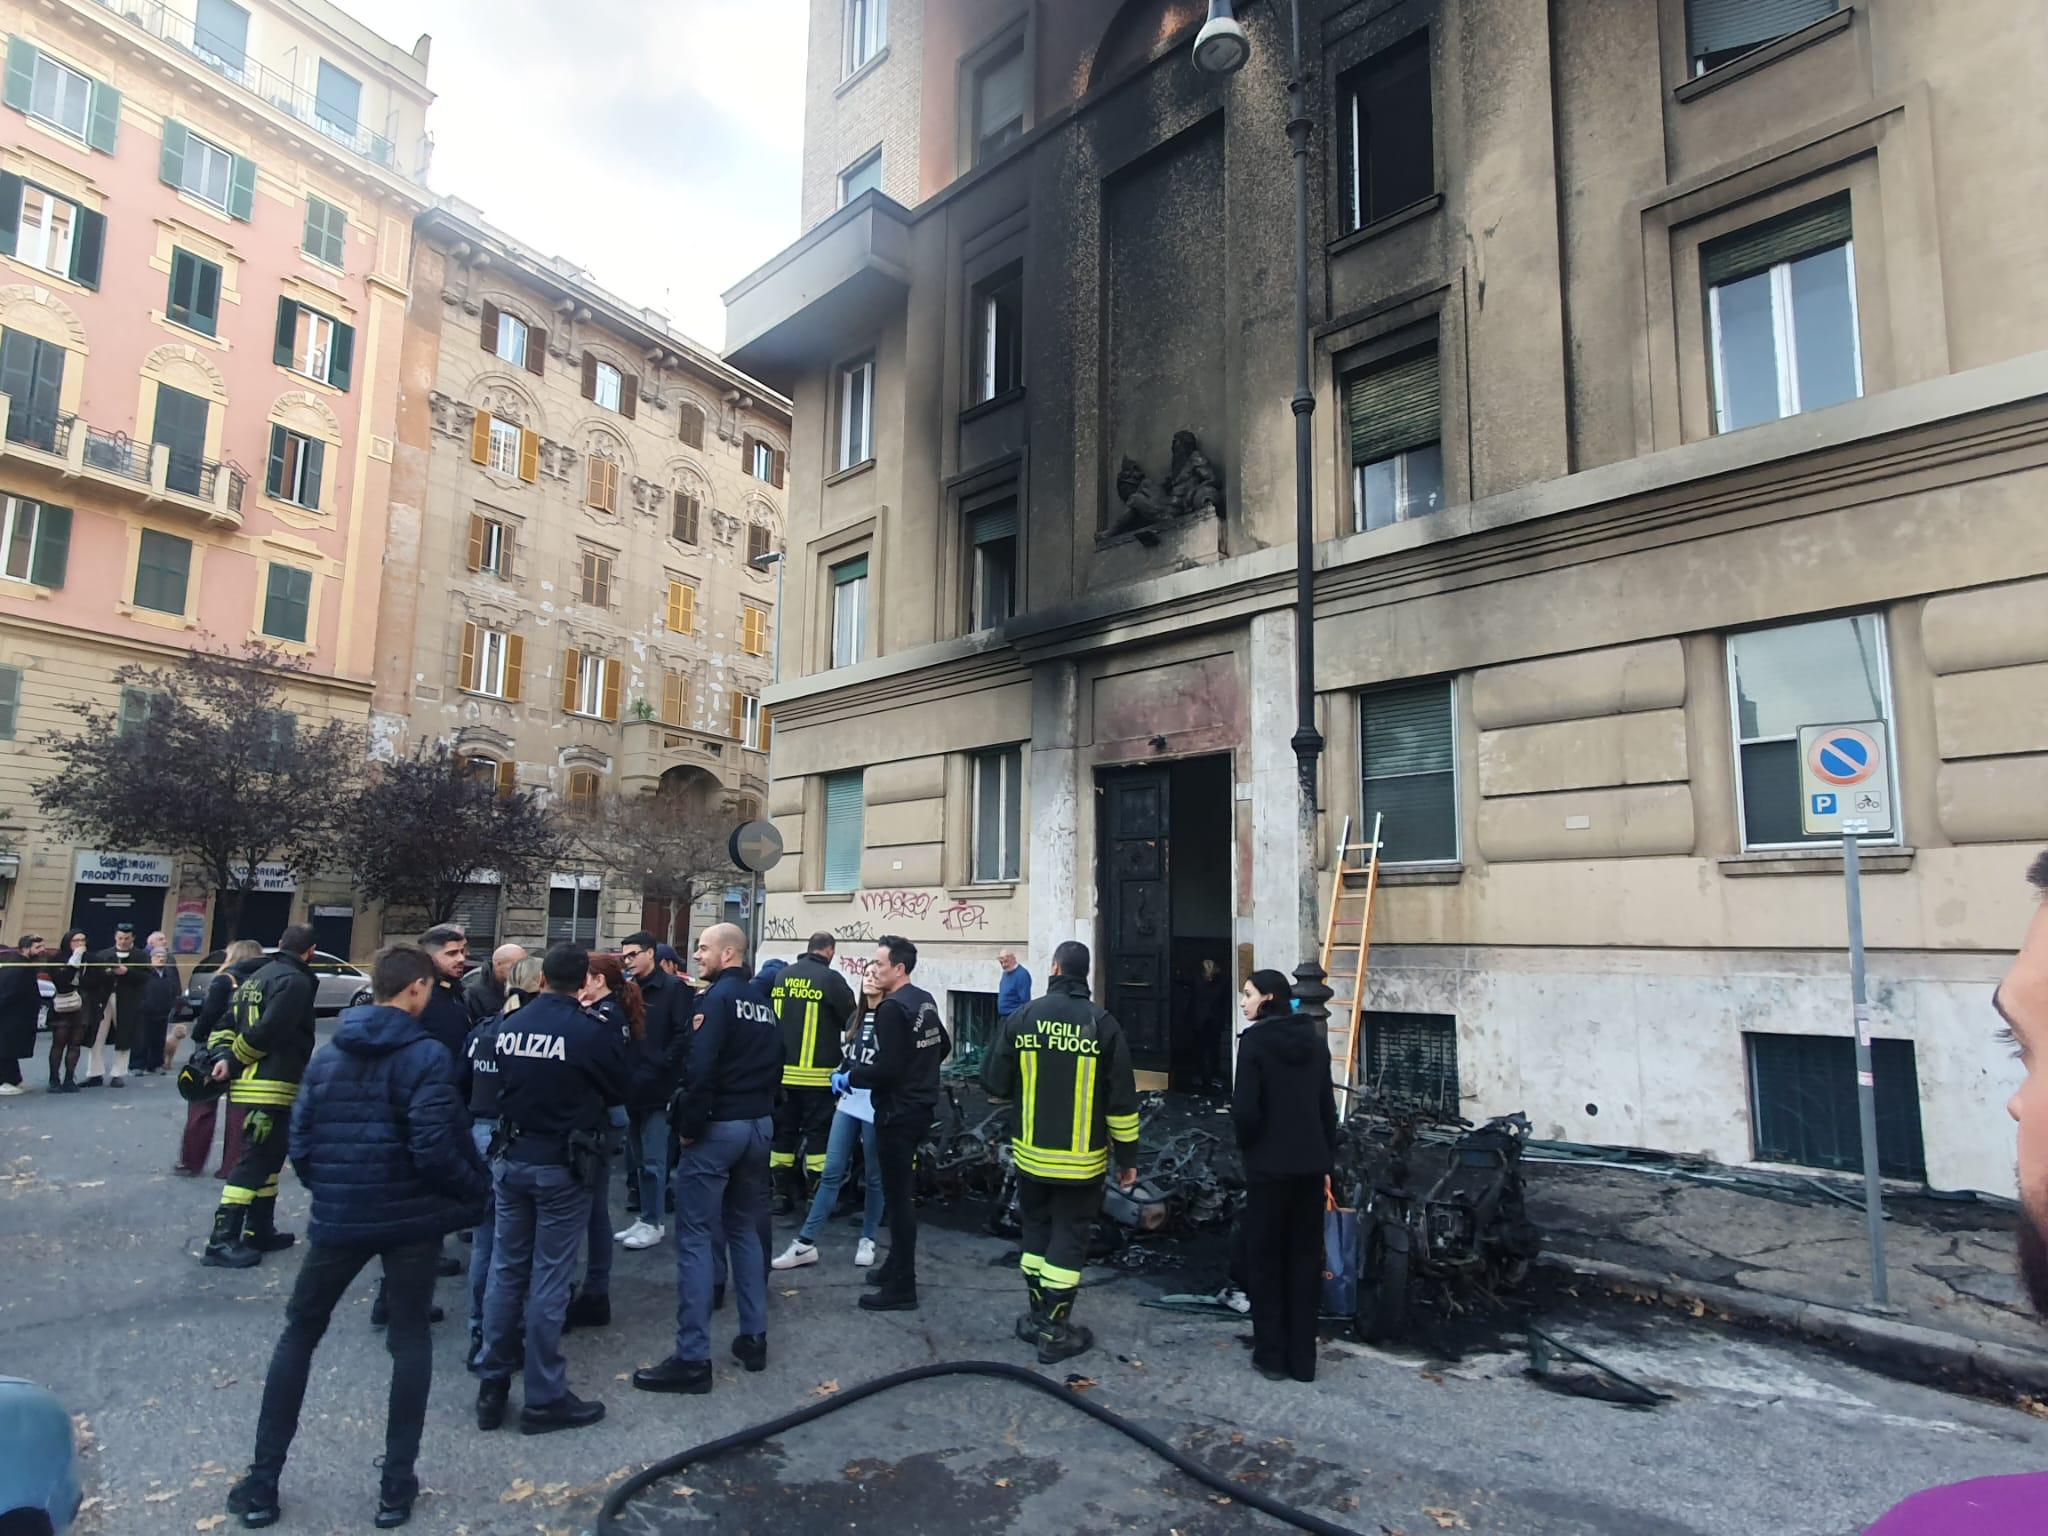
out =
column 897, row 1143
column 803, row 1124
column 323, row 1278
column 1057, row 1216
column 1283, row 1240
column 261, row 1160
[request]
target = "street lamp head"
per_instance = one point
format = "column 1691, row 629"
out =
column 762, row 562
column 1221, row 47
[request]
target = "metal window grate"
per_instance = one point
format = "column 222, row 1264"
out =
column 1802, row 1096
column 972, row 1016
column 1413, row 1058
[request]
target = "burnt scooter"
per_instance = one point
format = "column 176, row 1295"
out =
column 1438, row 1200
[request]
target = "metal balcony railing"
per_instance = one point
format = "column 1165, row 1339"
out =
column 227, row 58
column 154, row 470
column 113, row 453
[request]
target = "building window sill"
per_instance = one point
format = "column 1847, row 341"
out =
column 850, row 472
column 991, row 890
column 1883, row 859
column 1422, row 874
column 992, row 404
column 875, row 61
column 1764, row 57
column 155, row 616
column 828, row 897
column 1367, row 233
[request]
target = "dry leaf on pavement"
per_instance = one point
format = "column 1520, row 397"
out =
column 209, row 1522
column 1446, row 1519
column 520, row 1489
column 825, row 1389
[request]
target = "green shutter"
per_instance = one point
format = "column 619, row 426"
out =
column 850, row 570
column 1394, row 407
column 341, row 356
column 171, row 167
column 286, row 601
column 103, row 121
column 273, row 482
column 287, row 333
column 993, row 523
column 10, row 701
column 1408, row 745
column 10, row 212
column 21, row 73
column 316, row 460
column 53, row 546
column 242, row 188
column 88, row 246
column 1762, row 246
column 163, row 572
column 326, row 226
column 842, row 831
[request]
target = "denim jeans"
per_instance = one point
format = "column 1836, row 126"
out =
column 323, row 1278
column 649, row 1140
column 480, row 1241
column 722, row 1201
column 543, row 1215
column 846, row 1129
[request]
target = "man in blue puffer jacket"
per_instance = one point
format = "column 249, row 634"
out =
column 382, row 1141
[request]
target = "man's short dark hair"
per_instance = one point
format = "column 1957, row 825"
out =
column 1071, row 959
column 565, row 967
column 901, row 951
column 396, row 967
column 441, row 935
column 2037, row 874
column 28, row 940
column 297, row 939
column 643, row 940
column 822, row 943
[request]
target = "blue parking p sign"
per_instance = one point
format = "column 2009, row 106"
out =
column 1824, row 805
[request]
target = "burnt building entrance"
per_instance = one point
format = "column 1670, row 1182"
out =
column 1165, row 852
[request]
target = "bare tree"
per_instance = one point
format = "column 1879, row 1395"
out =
column 209, row 761
column 670, row 846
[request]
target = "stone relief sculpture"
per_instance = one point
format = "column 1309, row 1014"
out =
column 1192, row 486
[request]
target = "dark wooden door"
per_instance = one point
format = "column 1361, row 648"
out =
column 1136, row 815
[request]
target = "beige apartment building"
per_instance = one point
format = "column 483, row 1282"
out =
column 579, row 595
column 1679, row 382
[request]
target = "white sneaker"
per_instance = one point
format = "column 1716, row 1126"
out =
column 864, row 1255
column 795, row 1256
column 622, row 1235
column 1230, row 1296
column 9, row 1090
column 646, row 1237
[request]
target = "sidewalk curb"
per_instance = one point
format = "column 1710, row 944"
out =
column 1890, row 1344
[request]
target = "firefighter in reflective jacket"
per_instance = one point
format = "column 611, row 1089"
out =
column 1067, row 1064
column 812, row 1002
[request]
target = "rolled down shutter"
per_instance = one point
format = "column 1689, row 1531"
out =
column 467, row 676
column 21, row 73
column 53, row 547
column 171, row 164
column 1394, row 407
column 572, row 672
column 476, row 538
column 536, row 348
column 589, row 376
column 341, row 356
column 1786, row 238
column 988, row 526
column 480, row 439
column 88, row 247
column 629, row 397
column 529, row 455
column 1719, row 26
column 515, row 667
column 284, row 345
column 103, row 124
column 842, row 831
column 242, row 189
column 487, row 332
column 612, row 676
column 10, row 213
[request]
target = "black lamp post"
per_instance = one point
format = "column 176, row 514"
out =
column 1222, row 49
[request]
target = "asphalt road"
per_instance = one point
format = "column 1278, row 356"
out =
column 162, row 1361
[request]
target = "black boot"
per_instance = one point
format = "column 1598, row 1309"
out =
column 226, row 1249
column 674, row 1375
column 491, row 1397
column 588, row 1309
column 1030, row 1323
column 785, row 1200
column 262, row 1233
column 751, row 1350
column 254, row 1498
column 1061, row 1338
column 896, row 1294
column 394, row 1500
column 567, row 1412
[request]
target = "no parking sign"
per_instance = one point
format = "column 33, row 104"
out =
column 1843, row 780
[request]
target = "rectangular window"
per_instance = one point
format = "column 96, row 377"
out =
column 35, row 541
column 511, row 339
column 487, row 661
column 490, row 545
column 750, row 722
column 849, row 611
column 504, row 447
column 867, row 29
column 209, row 171
column 313, row 345
column 592, row 685
column 675, row 696
column 287, row 603
column 62, row 97
column 608, row 384
column 338, row 100
column 32, row 377
column 1000, row 96
column 682, row 607
column 1408, row 742
column 595, row 585
column 326, row 233
column 759, row 542
column 864, row 175
column 998, row 814
column 1412, row 1058
column 137, row 705
column 1803, row 1103
column 843, row 836
column 753, row 630
column 1781, row 300
column 45, row 227
column 973, row 1019
column 296, row 465
column 601, row 483
column 1394, row 418
column 572, row 915
column 220, row 35
column 684, row 518
column 10, row 701
column 761, row 459
column 856, row 413
column 992, row 564
column 195, row 293
column 163, row 572
column 1387, row 141
column 998, row 365
column 690, row 425
column 1829, row 672
column 1723, row 30
column 181, row 428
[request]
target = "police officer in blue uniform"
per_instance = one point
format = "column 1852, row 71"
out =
column 725, row 1116
column 560, row 1069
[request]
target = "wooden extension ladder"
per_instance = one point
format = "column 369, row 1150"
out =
column 1346, row 958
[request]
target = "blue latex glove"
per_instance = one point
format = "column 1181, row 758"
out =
column 840, row 1086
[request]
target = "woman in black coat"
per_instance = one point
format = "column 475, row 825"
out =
column 69, row 1009
column 1285, row 1113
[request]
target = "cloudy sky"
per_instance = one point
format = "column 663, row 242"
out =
column 653, row 142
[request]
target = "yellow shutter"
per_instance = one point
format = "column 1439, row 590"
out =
column 672, row 697
column 572, row 669
column 529, row 455
column 612, row 672
column 508, row 777
column 611, row 485
column 480, row 439
column 476, row 541
column 736, row 723
column 515, row 659
column 765, row 726
column 754, row 631
column 675, row 607
column 468, row 673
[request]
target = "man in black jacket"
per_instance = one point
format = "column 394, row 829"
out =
column 812, row 1002
column 272, row 1040
column 910, row 1045
column 119, row 974
column 20, row 1004
column 668, row 1003
column 724, row 1113
column 447, row 1017
column 380, row 1140
column 484, row 993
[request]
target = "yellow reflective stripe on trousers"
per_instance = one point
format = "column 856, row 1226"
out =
column 1053, row 1278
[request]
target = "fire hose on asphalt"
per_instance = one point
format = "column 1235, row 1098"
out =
column 608, row 1516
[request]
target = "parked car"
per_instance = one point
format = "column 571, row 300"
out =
column 338, row 983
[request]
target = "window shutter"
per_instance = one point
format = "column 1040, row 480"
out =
column 675, row 607
column 1410, row 751
column 286, row 341
column 1716, row 26
column 629, row 397
column 316, row 462
column 480, row 439
column 515, row 667
column 242, row 189
column 672, row 697
column 104, row 121
column 341, row 356
column 529, row 455
column 467, row 676
column 476, row 540
column 1798, row 233
column 766, row 730
column 53, row 546
column 612, row 671
column 747, row 452
column 572, row 674
column 21, row 73
column 10, row 701
column 273, row 483
column 10, row 214
column 692, row 427
column 777, row 461
column 736, row 715
column 842, row 831
column 991, row 524
column 536, row 349
column 508, row 771
column 757, row 542
column 1394, row 407
column 590, row 376
column 206, row 295
column 88, row 244
column 487, row 332
column 171, row 164
column 508, row 548
column 685, row 523
column 593, row 481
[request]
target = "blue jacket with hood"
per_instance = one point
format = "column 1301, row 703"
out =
column 381, row 1139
